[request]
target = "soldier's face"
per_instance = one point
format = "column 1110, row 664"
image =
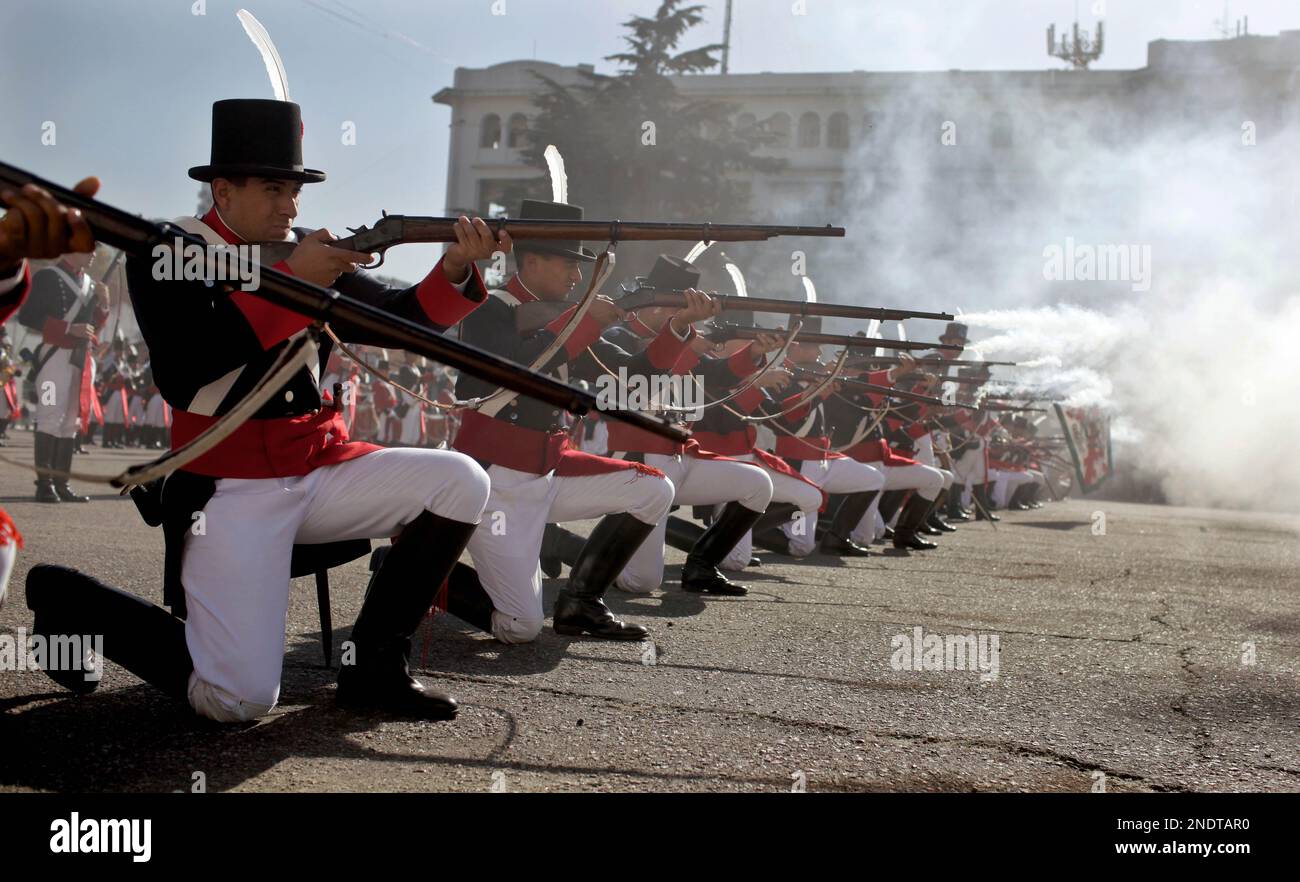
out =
column 550, row 276
column 259, row 209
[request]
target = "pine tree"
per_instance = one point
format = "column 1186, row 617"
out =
column 634, row 147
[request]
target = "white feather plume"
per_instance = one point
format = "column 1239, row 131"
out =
column 737, row 279
column 809, row 291
column 559, row 179
column 262, row 40
column 698, row 249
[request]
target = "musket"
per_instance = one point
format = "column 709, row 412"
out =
column 1011, row 408
column 887, row 391
column 960, row 381
column 727, row 331
column 529, row 317
column 403, row 229
column 139, row 237
column 939, row 362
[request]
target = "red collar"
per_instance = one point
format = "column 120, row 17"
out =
column 213, row 220
column 522, row 294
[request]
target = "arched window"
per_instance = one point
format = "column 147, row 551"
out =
column 517, row 131
column 778, row 126
column 810, row 130
column 489, row 132
column 1002, row 133
column 837, row 131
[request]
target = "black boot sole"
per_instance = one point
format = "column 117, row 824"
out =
column 588, row 631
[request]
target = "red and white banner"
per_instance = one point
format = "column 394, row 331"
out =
column 1087, row 432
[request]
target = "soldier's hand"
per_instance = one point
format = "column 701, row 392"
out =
column 604, row 311
column 316, row 262
column 830, row 389
column 774, row 378
column 765, row 343
column 699, row 306
column 474, row 241
column 38, row 226
column 82, row 332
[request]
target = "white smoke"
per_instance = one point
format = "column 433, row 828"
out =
column 1193, row 352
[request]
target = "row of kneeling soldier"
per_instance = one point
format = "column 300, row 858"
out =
column 768, row 466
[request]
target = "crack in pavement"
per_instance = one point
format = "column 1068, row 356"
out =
column 1023, row 750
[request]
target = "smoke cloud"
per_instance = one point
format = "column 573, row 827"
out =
column 1131, row 243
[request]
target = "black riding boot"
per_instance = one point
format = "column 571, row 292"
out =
column 399, row 596
column 467, row 599
column 933, row 519
column 890, row 501
column 909, row 522
column 63, row 463
column 985, row 509
column 579, row 608
column 700, row 574
column 850, row 513
column 955, row 511
column 43, row 457
column 145, row 639
column 682, row 534
column 767, row 529
column 559, row 547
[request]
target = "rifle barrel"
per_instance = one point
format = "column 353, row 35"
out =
column 734, row 303
column 887, row 391
column 747, row 333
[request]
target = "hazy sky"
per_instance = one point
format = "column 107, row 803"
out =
column 129, row 83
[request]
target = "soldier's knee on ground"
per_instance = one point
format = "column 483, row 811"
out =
column 217, row 704
column 512, row 629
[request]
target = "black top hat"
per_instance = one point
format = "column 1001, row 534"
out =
column 954, row 331
column 536, row 209
column 256, row 137
column 671, row 274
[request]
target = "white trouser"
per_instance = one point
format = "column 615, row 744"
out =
column 785, row 489
column 927, row 481
column 115, row 409
column 696, row 482
column 507, row 544
column 58, row 396
column 8, row 554
column 155, row 412
column 969, row 470
column 1006, row 482
column 837, row 475
column 236, row 569
column 924, row 450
